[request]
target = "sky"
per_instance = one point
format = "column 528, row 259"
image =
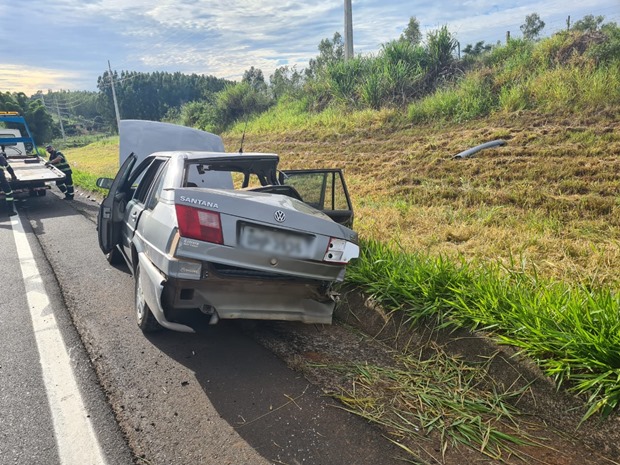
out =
column 66, row 44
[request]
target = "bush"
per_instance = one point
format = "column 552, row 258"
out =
column 238, row 101
column 470, row 98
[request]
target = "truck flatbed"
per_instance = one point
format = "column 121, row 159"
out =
column 31, row 170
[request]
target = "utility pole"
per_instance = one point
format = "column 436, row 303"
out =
column 348, row 30
column 118, row 116
column 62, row 128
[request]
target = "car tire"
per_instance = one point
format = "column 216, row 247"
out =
column 146, row 320
column 115, row 257
column 41, row 192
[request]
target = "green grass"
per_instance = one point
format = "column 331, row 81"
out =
column 79, row 140
column 572, row 332
column 87, row 181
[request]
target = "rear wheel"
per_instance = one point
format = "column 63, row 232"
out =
column 41, row 192
column 145, row 318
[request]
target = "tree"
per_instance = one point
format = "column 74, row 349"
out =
column 151, row 96
column 254, row 77
column 238, row 101
column 412, row 32
column 285, row 80
column 532, row 27
column 477, row 49
column 38, row 119
column 330, row 51
column 589, row 23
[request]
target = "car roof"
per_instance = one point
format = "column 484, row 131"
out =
column 197, row 155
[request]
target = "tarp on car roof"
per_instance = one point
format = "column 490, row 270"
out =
column 146, row 137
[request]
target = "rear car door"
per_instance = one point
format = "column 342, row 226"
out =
column 323, row 189
column 142, row 184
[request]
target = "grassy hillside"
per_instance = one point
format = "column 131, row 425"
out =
column 549, row 199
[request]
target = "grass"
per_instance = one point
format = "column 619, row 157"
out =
column 437, row 397
column 98, row 159
column 522, row 240
column 571, row 331
column 550, row 195
column 548, row 198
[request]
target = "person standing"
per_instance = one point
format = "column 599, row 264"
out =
column 4, row 184
column 58, row 159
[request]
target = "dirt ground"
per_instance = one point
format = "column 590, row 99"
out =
column 363, row 332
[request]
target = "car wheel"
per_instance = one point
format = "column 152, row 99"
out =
column 115, row 257
column 146, row 320
column 41, row 192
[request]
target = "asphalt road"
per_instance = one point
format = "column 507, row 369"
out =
column 214, row 397
column 29, row 431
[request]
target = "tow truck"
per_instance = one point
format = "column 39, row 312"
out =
column 18, row 146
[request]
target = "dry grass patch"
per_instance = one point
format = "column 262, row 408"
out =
column 549, row 197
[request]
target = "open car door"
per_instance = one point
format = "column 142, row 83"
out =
column 112, row 210
column 323, row 189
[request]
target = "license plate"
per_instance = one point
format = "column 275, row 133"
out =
column 275, row 242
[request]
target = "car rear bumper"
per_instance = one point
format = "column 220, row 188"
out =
column 251, row 298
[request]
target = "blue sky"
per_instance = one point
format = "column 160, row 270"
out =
column 66, row 44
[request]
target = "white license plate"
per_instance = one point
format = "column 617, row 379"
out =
column 275, row 242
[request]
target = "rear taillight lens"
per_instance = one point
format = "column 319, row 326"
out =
column 340, row 251
column 203, row 225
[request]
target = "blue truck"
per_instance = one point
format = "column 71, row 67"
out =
column 19, row 148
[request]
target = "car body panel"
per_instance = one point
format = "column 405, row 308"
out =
column 273, row 258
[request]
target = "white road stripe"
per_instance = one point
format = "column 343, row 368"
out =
column 77, row 443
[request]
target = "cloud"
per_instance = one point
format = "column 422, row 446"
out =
column 76, row 38
column 30, row 79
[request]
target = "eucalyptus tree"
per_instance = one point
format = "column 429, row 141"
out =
column 532, row 27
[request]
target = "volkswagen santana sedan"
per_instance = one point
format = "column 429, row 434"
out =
column 226, row 234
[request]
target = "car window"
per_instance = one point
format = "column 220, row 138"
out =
column 200, row 175
column 158, row 183
column 145, row 180
column 322, row 190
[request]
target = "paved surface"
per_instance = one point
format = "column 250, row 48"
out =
column 215, row 397
column 27, row 430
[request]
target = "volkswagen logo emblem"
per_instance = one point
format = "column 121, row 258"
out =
column 279, row 216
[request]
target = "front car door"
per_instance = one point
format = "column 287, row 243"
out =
column 323, row 189
column 112, row 210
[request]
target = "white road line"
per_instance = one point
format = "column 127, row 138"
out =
column 77, row 443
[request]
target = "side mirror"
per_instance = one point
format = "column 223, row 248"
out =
column 105, row 183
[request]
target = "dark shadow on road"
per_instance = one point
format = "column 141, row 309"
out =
column 38, row 209
column 273, row 408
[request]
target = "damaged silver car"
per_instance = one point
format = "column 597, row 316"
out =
column 225, row 234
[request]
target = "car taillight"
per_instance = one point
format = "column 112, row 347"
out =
column 340, row 251
column 203, row 225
